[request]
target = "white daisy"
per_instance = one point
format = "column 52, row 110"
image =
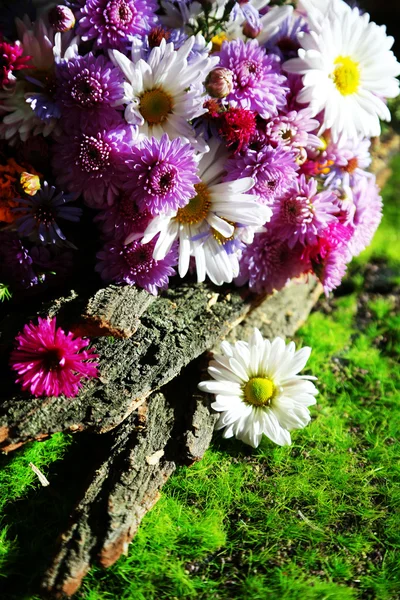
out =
column 348, row 70
column 210, row 224
column 165, row 92
column 258, row 390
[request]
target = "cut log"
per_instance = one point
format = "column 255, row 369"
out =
column 175, row 329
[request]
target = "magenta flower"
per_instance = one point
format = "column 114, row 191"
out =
column 114, row 23
column 89, row 89
column 273, row 169
column 91, row 164
column 161, row 175
column 258, row 82
column 134, row 264
column 11, row 59
column 50, row 362
column 302, row 213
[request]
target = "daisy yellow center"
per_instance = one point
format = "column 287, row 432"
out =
column 198, row 207
column 155, row 106
column 346, row 75
column 259, row 391
column 220, row 238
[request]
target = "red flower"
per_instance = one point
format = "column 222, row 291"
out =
column 237, row 127
column 11, row 59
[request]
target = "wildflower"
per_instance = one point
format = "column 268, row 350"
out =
column 50, row 362
column 161, row 175
column 215, row 210
column 341, row 64
column 258, row 83
column 134, row 264
column 42, row 212
column 258, row 390
column 163, row 93
column 115, row 23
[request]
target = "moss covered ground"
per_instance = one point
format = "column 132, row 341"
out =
column 317, row 520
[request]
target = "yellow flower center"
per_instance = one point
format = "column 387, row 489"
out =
column 259, row 391
column 198, row 207
column 220, row 238
column 155, row 106
column 346, row 76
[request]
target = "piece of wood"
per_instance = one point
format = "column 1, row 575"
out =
column 174, row 330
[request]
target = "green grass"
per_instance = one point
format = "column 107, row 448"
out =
column 317, row 520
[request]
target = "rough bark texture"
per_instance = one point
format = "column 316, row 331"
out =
column 174, row 330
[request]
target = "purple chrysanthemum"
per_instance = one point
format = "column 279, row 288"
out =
column 50, row 362
column 15, row 262
column 293, row 130
column 114, row 23
column 41, row 213
column 162, row 175
column 367, row 215
column 273, row 169
column 134, row 264
column 285, row 42
column 302, row 213
column 268, row 263
column 123, row 219
column 258, row 82
column 91, row 164
column 89, row 89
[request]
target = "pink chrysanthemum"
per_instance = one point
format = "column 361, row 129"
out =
column 114, row 23
column 258, row 82
column 50, row 362
column 302, row 213
column 268, row 263
column 293, row 130
column 273, row 169
column 161, row 174
column 134, row 264
column 91, row 164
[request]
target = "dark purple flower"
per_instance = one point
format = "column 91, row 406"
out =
column 302, row 213
column 91, row 164
column 89, row 89
column 258, row 82
column 273, row 169
column 43, row 100
column 50, row 362
column 61, row 18
column 123, row 218
column 15, row 262
column 285, row 43
column 268, row 263
column 41, row 213
column 114, row 23
column 134, row 264
column 161, row 175
column 53, row 263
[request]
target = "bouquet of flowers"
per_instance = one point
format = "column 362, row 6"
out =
column 149, row 139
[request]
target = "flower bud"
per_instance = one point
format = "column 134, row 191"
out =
column 219, row 82
column 61, row 18
column 252, row 30
column 29, row 183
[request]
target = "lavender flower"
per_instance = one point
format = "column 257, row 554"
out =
column 268, row 263
column 273, row 169
column 162, row 175
column 293, row 130
column 91, row 164
column 367, row 215
column 134, row 264
column 302, row 213
column 123, row 219
column 41, row 213
column 89, row 89
column 114, row 23
column 258, row 83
